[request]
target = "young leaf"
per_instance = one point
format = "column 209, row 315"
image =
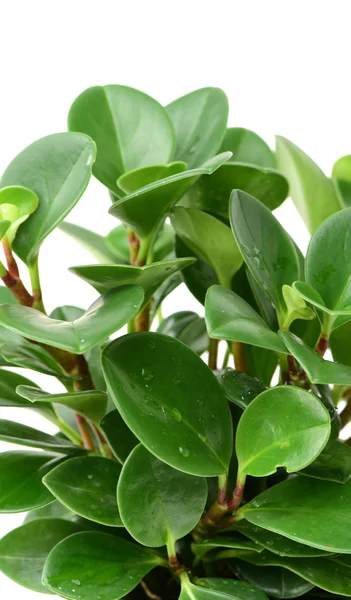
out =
column 24, row 550
column 187, row 327
column 157, row 503
column 21, row 475
column 247, row 147
column 87, row 486
column 296, row 306
column 117, row 566
column 313, row 194
column 57, row 168
column 226, row 543
column 211, row 239
column 95, row 243
column 171, row 401
column 239, row 387
column 341, row 174
column 130, row 129
column 16, row 204
column 119, row 436
column 108, row 314
column 134, row 180
column 275, row 581
column 16, row 433
column 268, row 251
column 283, row 427
column 9, row 382
column 91, row 403
column 293, row 508
column 199, row 120
column 230, row 317
column 333, row 464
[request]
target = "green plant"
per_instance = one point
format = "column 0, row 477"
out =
column 169, row 477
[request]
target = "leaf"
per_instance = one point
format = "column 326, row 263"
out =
column 57, row 168
column 293, row 508
column 6, row 296
column 9, row 381
column 16, row 433
column 91, row 404
column 16, row 204
column 261, row 363
column 137, row 178
column 24, row 550
column 119, row 436
column 163, row 291
column 117, row 566
column 239, row 387
column 171, row 401
column 95, row 243
column 144, row 209
column 54, row 510
column 230, row 317
column 211, row 239
column 283, row 427
column 307, row 184
column 321, row 572
column 268, row 250
column 21, row 475
column 187, row 327
column 247, row 147
column 212, row 194
column 339, row 344
column 200, row 121
column 158, row 504
column 317, row 368
column 275, row 581
column 333, row 464
column 108, row 314
column 227, row 543
column 4, row 225
column 341, row 174
column 117, row 241
column 296, row 306
column 106, row 278
column 219, row 589
column 23, row 353
column 199, row 276
column 162, row 246
column 87, row 486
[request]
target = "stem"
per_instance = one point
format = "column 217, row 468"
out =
column 322, row 344
column 226, row 358
column 212, row 354
column 69, row 432
column 239, row 357
column 133, row 246
column 85, row 432
column 36, row 287
column 142, row 320
column 148, row 592
column 10, row 259
column 16, row 287
column 238, row 493
column 216, row 512
column 173, row 558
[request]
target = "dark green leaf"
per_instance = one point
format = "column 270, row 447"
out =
column 187, row 327
column 219, row 589
column 247, row 147
column 199, row 276
column 9, row 381
column 6, row 296
column 23, row 353
column 339, row 343
column 163, row 291
column 119, row 436
column 54, row 510
column 275, row 581
column 261, row 363
column 333, row 464
column 226, row 543
column 239, row 387
column 16, row 433
column 95, row 243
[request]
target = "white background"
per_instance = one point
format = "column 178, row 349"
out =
column 284, row 64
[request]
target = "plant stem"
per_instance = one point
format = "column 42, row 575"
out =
column 216, row 512
column 212, row 354
column 142, row 320
column 237, row 496
column 69, row 432
column 36, row 287
column 226, row 357
column 10, row 259
column 85, row 432
column 148, row 592
column 322, row 344
column 173, row 558
column 133, row 246
column 16, row 287
column 239, row 357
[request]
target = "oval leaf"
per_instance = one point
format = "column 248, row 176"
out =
column 247, row 147
column 95, row 243
column 16, row 204
column 138, row 178
column 333, row 464
column 119, row 436
column 275, row 581
column 240, row 387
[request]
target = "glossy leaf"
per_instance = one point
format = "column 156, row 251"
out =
column 341, row 174
column 91, row 403
column 317, row 368
column 210, row 239
column 187, row 327
column 138, row 178
column 230, row 317
column 212, row 194
column 268, row 251
column 95, row 243
column 17, row 203
column 313, row 194
column 296, row 429
column 54, row 510
column 226, row 543
column 9, row 381
column 6, row 296
column 117, row 242
column 108, row 314
column 57, row 168
column 24, row 550
column 17, row 433
column 22, row 353
column 144, row 209
column 171, row 401
column 4, row 225
column 275, row 581
column 296, row 306
column 293, row 508
column 247, row 147
column 21, row 475
column 199, row 276
column 118, row 566
column 239, row 387
column 130, row 129
column 261, row 363
column 87, row 486
column 221, row 589
column 162, row 247
column 199, row 120
column 333, row 464
column 119, row 436
column 339, row 344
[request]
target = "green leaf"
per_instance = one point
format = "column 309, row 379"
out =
column 296, row 306
column 283, row 427
column 57, row 168
column 163, row 291
column 134, row 180
column 171, row 401
column 24, row 550
column 230, row 317
column 227, row 543
column 144, row 209
column 95, row 243
column 23, row 353
column 268, row 250
column 341, row 174
column 9, row 382
column 54, row 510
column 108, row 314
column 293, row 508
column 16, row 433
column 261, row 363
column 307, row 183
column 333, row 464
column 200, row 121
column 212, row 194
column 339, row 344
column 4, row 225
column 117, row 241
column 239, row 387
column 247, row 147
column 130, row 129
column 275, row 581
column 199, row 276
column 211, row 239
column 187, row 327
column 324, row 573
column 21, row 475
column 6, row 297
column 16, row 204
column 163, row 244
column 239, row 590
column 87, row 486
column 119, row 436
column 317, row 368
column 105, row 566
column 157, row 503
column 109, row 277
column 91, row 404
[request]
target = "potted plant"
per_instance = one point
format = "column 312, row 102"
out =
column 169, row 477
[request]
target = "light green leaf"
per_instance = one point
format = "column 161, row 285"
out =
column 341, row 174
column 134, row 180
column 231, row 588
column 247, row 147
column 4, row 225
column 95, row 243
column 296, row 306
column 16, row 204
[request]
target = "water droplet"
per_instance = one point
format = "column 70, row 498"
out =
column 151, row 344
column 176, row 379
column 177, row 416
column 184, row 451
column 90, row 476
column 76, row 581
column 147, row 374
column 82, row 341
column 133, row 386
